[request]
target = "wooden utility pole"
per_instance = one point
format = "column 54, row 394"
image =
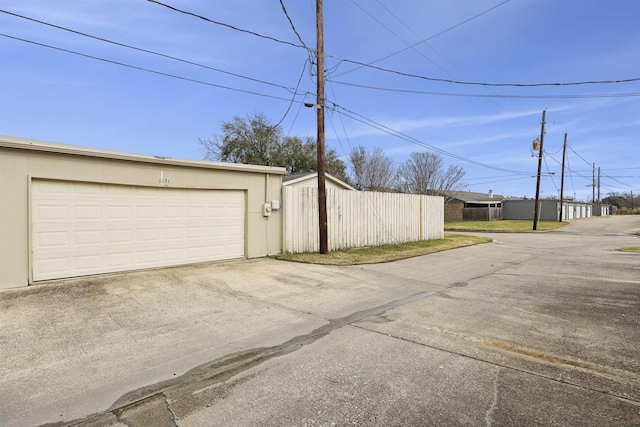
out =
column 564, row 153
column 322, row 192
column 593, row 184
column 598, row 187
column 536, row 209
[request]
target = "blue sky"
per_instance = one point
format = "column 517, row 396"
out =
column 56, row 96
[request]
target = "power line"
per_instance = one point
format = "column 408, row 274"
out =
column 418, row 36
column 397, row 36
column 550, row 173
column 295, row 93
column 148, row 70
column 365, row 120
column 344, row 129
column 583, row 159
column 284, row 9
column 484, row 177
column 409, row 74
column 571, row 177
column 253, row 33
column 499, row 180
column 421, row 41
column 620, row 182
column 296, row 117
column 477, row 95
column 458, row 82
column 568, row 168
column 144, row 50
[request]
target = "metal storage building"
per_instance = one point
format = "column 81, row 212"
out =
column 549, row 209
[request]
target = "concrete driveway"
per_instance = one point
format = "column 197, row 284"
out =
column 533, row 329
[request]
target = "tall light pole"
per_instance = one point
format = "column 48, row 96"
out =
column 536, row 209
column 322, row 195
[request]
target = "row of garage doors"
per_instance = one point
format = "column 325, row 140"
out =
column 82, row 228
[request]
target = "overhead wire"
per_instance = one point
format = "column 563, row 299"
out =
column 499, row 180
column 472, row 95
column 470, row 83
column 372, row 123
column 349, row 113
column 424, row 40
column 295, row 93
column 344, row 129
column 381, row 127
column 397, row 36
column 568, row 168
column 620, row 182
column 486, row 95
column 573, row 187
column 212, row 21
column 418, row 36
column 284, row 10
column 151, row 52
column 148, row 70
column 492, row 95
column 550, row 174
column 295, row 118
column 370, row 65
column 576, row 153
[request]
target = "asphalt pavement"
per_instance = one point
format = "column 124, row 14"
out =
column 532, row 329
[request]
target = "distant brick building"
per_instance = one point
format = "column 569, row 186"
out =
column 470, row 206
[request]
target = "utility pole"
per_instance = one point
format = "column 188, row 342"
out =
column 593, row 184
column 564, row 153
column 322, row 192
column 598, row 187
column 536, row 209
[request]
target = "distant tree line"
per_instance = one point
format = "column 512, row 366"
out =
column 254, row 140
column 626, row 203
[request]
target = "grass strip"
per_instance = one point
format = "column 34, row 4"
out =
column 506, row 225
column 635, row 249
column 386, row 253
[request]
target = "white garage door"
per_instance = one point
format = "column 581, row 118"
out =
column 79, row 228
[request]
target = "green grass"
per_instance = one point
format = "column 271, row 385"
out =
column 635, row 249
column 387, row 253
column 510, row 225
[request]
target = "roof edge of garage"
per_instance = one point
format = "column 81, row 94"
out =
column 51, row 147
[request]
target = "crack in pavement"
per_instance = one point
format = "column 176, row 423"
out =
column 213, row 373
column 496, row 397
column 221, row 370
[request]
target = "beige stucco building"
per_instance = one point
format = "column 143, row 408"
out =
column 68, row 211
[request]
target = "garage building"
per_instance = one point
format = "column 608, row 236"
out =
column 68, row 211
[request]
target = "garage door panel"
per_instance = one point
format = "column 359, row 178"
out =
column 53, row 266
column 147, row 212
column 52, row 212
column 83, row 228
column 87, row 212
column 87, row 262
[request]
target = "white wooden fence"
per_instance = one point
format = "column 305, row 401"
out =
column 359, row 218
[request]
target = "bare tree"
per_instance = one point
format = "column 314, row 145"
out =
column 424, row 173
column 372, row 171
